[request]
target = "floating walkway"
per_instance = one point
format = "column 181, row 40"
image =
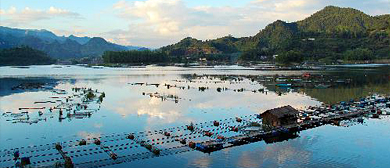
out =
column 207, row 137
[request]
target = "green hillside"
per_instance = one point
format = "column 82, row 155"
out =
column 328, row 35
column 22, row 56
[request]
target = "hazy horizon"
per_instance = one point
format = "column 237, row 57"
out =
column 156, row 23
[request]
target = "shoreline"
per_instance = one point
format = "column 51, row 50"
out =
column 260, row 67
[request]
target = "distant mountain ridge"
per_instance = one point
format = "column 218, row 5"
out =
column 58, row 46
column 327, row 33
column 80, row 40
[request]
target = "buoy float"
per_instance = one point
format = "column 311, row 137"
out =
column 190, row 127
column 58, row 147
column 113, row 156
column 183, row 141
column 83, row 142
column 25, row 161
column 156, row 151
column 16, row 155
column 191, row 144
column 220, row 137
column 235, row 129
column 97, row 142
column 130, row 136
column 207, row 133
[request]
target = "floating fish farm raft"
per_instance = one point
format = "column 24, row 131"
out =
column 111, row 149
column 78, row 104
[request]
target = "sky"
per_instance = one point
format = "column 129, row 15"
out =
column 156, row 23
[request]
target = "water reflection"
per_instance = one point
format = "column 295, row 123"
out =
column 130, row 108
column 281, row 138
column 174, row 99
column 278, row 154
column 9, row 86
column 78, row 103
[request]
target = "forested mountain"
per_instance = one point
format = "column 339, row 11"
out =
column 328, row 34
column 24, row 56
column 134, row 57
column 334, row 19
column 41, row 34
column 58, row 46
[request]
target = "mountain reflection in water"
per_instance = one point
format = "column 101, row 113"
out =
column 127, row 109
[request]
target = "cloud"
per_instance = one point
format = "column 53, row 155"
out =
column 86, row 135
column 155, row 23
column 15, row 17
column 74, row 30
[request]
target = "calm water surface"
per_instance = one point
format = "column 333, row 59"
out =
column 128, row 108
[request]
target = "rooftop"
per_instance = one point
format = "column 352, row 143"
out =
column 282, row 111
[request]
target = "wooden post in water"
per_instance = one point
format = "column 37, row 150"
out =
column 68, row 160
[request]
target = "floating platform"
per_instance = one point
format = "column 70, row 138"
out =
column 206, row 137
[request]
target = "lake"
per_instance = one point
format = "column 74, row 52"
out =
column 153, row 98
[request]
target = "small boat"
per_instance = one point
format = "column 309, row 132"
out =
column 21, row 67
column 322, row 86
column 375, row 116
column 283, row 84
column 306, row 75
column 386, row 111
column 281, row 80
column 97, row 67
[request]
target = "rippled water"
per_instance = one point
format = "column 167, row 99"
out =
column 127, row 109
